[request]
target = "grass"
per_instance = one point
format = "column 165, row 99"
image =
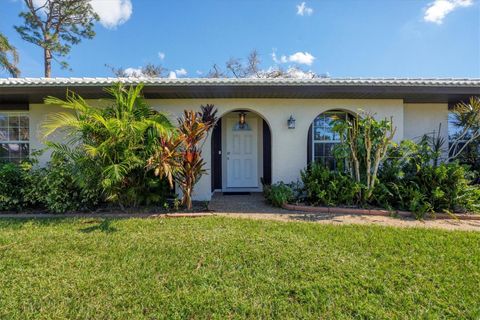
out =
column 233, row 268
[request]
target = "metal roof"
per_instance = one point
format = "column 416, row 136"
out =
column 408, row 89
column 48, row 82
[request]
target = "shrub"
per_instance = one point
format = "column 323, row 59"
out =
column 326, row 187
column 51, row 188
column 55, row 189
column 278, row 194
column 11, row 184
column 410, row 180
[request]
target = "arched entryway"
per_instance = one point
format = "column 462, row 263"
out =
column 241, row 152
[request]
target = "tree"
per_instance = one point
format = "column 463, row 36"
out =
column 112, row 145
column 8, row 57
column 150, row 70
column 179, row 157
column 57, row 25
column 251, row 68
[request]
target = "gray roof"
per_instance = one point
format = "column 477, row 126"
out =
column 48, row 82
column 408, row 89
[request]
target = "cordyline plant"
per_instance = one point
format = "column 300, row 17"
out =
column 365, row 142
column 179, row 157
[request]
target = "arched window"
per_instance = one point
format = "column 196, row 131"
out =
column 324, row 139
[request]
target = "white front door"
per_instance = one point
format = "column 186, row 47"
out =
column 242, row 162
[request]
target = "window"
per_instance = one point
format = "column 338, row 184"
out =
column 324, row 139
column 14, row 136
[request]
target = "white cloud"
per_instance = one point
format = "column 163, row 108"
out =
column 302, row 58
column 112, row 13
column 303, row 10
column 161, row 55
column 199, row 72
column 439, row 9
column 177, row 73
column 298, row 57
column 134, row 72
column 181, row 72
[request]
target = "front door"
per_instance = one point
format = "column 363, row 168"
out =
column 242, row 162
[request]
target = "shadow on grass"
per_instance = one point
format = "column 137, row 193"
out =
column 103, row 226
column 94, row 224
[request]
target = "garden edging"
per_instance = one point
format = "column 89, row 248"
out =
column 375, row 212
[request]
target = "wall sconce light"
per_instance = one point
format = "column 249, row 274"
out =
column 241, row 119
column 242, row 122
column 291, row 122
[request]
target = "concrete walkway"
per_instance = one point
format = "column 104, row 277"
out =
column 254, row 206
column 254, row 203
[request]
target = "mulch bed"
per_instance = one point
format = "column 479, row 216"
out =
column 376, row 212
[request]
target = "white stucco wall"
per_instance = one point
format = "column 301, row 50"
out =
column 425, row 118
column 38, row 114
column 289, row 147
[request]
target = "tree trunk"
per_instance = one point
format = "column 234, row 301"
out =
column 187, row 198
column 48, row 62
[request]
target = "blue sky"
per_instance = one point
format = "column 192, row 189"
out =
column 344, row 38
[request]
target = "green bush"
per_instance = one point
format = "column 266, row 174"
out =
column 52, row 188
column 278, row 194
column 326, row 187
column 55, row 188
column 11, row 184
column 410, row 180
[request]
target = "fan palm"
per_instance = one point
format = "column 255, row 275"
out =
column 8, row 57
column 466, row 117
column 116, row 141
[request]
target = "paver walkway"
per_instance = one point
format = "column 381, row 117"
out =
column 254, row 206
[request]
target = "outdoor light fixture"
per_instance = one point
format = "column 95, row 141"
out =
column 242, row 122
column 241, row 119
column 291, row 122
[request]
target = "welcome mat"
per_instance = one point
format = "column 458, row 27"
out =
column 237, row 193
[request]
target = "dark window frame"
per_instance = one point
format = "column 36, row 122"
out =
column 14, row 135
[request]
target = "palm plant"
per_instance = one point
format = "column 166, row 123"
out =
column 8, row 57
column 466, row 117
column 115, row 141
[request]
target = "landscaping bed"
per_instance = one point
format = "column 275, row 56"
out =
column 376, row 212
column 221, row 268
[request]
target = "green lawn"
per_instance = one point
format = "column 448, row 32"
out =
column 233, row 268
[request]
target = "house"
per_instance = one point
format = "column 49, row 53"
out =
column 269, row 129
